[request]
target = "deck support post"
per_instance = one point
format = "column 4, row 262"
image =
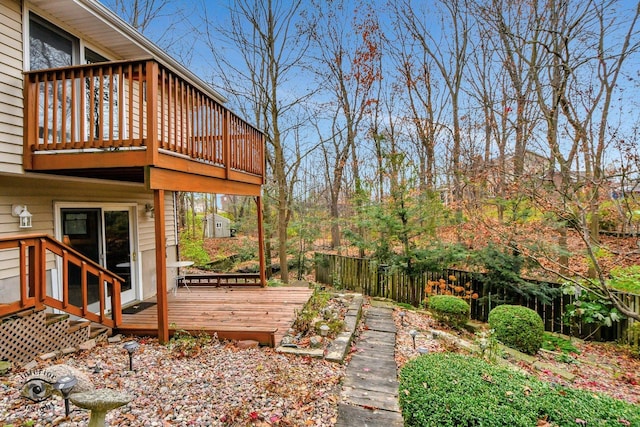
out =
column 263, row 273
column 161, row 266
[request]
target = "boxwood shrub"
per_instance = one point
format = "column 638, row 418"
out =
column 453, row 311
column 517, row 327
column 445, row 389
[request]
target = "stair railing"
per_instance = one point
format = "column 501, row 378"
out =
column 38, row 253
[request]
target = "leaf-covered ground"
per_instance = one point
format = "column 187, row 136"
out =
column 598, row 367
column 219, row 386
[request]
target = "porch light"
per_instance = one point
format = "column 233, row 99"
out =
column 131, row 347
column 148, row 210
column 413, row 334
column 23, row 214
column 64, row 385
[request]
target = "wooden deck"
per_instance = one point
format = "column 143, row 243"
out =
column 261, row 314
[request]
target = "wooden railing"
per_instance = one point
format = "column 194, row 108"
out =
column 221, row 279
column 36, row 254
column 363, row 275
column 135, row 105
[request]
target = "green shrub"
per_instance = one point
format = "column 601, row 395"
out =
column 450, row 310
column 444, row 389
column 557, row 343
column 517, row 327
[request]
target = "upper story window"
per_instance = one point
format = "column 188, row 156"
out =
column 50, row 46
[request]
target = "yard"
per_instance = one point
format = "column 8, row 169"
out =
column 201, row 381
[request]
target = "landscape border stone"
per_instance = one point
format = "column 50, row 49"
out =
column 339, row 346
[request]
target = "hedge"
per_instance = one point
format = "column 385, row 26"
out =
column 445, row 389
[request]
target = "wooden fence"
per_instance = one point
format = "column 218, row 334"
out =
column 372, row 279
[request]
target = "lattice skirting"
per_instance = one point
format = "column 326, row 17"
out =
column 24, row 338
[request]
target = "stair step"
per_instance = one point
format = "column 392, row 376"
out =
column 75, row 325
column 98, row 330
column 52, row 318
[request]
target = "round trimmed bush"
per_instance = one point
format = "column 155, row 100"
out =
column 517, row 327
column 450, row 310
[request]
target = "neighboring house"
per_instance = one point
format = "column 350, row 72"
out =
column 217, row 226
column 99, row 129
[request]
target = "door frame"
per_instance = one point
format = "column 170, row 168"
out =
column 132, row 208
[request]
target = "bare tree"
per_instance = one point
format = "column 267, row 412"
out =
column 257, row 53
column 449, row 55
column 424, row 100
column 576, row 52
column 346, row 60
column 166, row 22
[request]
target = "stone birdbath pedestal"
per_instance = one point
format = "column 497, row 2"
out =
column 99, row 402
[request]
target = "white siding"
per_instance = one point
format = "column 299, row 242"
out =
column 11, row 99
column 41, row 194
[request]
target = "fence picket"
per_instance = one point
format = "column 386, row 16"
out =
column 362, row 274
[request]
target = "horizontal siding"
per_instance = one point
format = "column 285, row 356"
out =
column 11, row 82
column 41, row 194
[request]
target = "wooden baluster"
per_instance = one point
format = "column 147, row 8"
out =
column 101, row 295
column 100, row 136
column 130, row 104
column 82, row 80
column 93, row 136
column 65, row 278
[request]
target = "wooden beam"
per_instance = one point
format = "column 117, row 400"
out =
column 161, row 267
column 95, row 160
column 175, row 180
column 261, row 256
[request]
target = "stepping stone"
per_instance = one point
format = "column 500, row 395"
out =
column 380, row 325
column 371, row 398
column 370, row 388
column 373, row 383
column 357, row 416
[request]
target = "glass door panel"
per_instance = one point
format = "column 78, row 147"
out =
column 118, row 248
column 81, row 230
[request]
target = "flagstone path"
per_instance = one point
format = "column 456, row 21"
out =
column 370, row 390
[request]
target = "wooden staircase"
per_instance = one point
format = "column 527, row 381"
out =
column 33, row 333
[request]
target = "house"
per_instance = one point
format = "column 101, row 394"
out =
column 217, row 226
column 99, row 128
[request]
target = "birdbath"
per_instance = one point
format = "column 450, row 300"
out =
column 99, row 402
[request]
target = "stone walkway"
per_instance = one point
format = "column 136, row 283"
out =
column 370, row 391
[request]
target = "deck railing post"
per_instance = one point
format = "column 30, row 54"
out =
column 226, row 142
column 116, row 305
column 161, row 266
column 151, row 77
column 31, row 105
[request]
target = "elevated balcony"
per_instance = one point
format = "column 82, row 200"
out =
column 137, row 121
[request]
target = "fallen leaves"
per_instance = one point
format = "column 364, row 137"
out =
column 222, row 386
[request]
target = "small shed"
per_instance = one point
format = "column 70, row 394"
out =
column 217, row 226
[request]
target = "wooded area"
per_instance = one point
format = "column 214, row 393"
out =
column 389, row 122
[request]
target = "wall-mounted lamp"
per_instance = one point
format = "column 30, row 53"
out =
column 21, row 212
column 148, row 210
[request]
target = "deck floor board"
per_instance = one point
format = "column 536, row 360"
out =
column 213, row 309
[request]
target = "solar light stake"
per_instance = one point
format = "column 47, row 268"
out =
column 131, row 347
column 413, row 334
column 402, row 314
column 324, row 331
column 64, row 385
